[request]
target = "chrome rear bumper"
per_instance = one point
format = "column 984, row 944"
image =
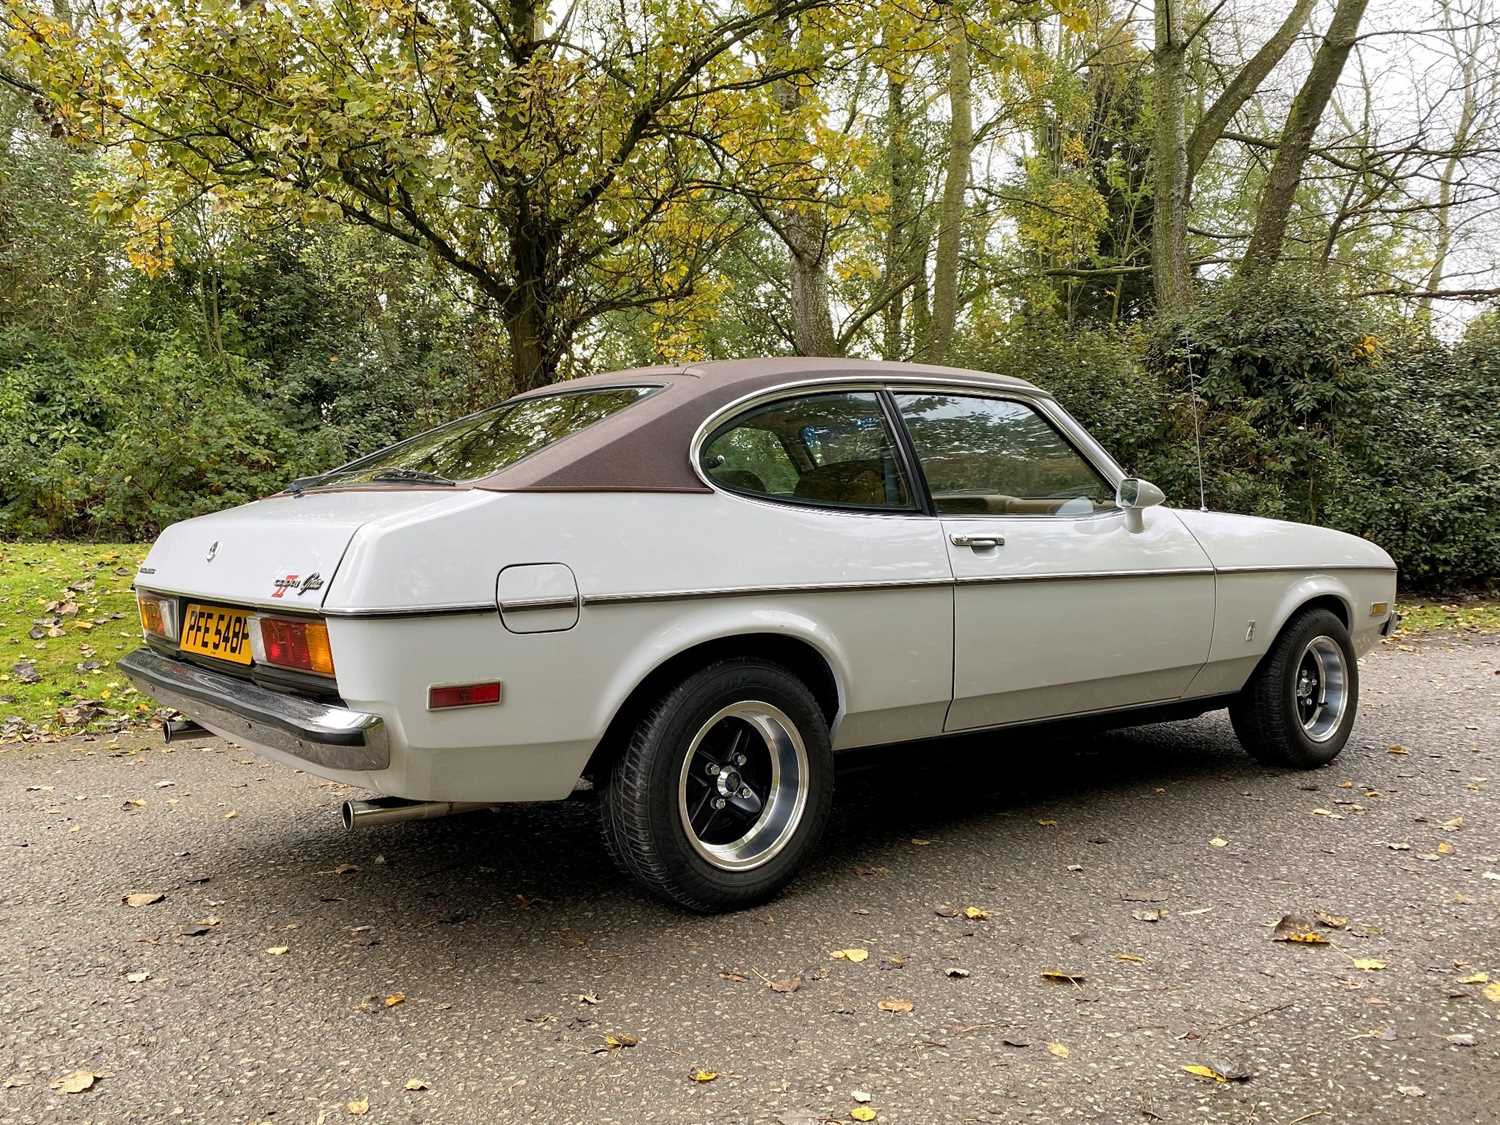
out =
column 332, row 737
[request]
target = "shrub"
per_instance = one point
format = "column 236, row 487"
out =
column 1311, row 409
column 122, row 445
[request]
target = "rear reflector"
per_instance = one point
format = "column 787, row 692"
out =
column 463, row 695
column 296, row 644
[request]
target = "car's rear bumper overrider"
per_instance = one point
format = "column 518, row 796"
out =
column 320, row 733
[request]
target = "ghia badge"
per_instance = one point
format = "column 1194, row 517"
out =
column 313, row 581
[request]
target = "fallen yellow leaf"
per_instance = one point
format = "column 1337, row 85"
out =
column 1059, row 1049
column 892, row 1004
column 416, row 1084
column 277, row 950
column 862, row 1113
column 75, row 1083
column 1476, row 978
column 1201, row 1071
column 1445, row 848
column 855, row 955
column 1218, row 842
column 395, row 998
column 618, row 1040
column 1057, row 976
column 1048, row 823
column 359, row 1107
column 704, row 1075
column 1396, row 750
column 1295, row 929
column 1310, row 938
column 976, row 913
column 1369, row 964
column 1134, row 957
column 1492, row 992
column 919, row 842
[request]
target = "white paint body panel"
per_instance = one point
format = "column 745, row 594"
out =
column 412, row 578
column 1032, row 642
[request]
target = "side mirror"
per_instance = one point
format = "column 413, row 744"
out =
column 1135, row 495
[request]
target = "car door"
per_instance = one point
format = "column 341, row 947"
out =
column 1059, row 608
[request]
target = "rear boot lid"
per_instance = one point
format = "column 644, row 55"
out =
column 277, row 553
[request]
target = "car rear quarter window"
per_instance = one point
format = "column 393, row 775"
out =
column 832, row 449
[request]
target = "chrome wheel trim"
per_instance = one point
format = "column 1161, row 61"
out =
column 767, row 731
column 1320, row 688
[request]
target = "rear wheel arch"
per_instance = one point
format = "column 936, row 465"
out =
column 798, row 656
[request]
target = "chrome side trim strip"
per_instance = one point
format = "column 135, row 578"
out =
column 1304, row 569
column 759, row 591
column 563, row 602
column 519, row 605
column 415, row 611
column 1085, row 575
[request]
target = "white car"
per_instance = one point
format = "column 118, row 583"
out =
column 689, row 587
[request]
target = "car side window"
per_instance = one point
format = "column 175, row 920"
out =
column 832, row 449
column 999, row 457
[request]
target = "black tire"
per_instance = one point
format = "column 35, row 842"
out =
column 1271, row 718
column 650, row 787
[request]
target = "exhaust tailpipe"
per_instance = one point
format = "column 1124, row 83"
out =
column 388, row 810
column 184, row 730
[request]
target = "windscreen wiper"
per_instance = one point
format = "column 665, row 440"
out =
column 411, row 475
column 295, row 487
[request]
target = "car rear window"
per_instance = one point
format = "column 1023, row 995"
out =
column 487, row 442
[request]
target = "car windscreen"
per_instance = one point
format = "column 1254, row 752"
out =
column 483, row 443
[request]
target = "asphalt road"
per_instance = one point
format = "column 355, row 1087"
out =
column 517, row 950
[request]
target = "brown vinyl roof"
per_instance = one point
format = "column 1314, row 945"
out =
column 644, row 448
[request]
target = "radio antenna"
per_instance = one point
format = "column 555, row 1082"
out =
column 1197, row 429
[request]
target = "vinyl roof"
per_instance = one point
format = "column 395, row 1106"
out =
column 644, row 448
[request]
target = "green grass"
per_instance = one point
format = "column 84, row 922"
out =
column 1481, row 615
column 73, row 658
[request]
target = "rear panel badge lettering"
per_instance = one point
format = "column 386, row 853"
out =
column 298, row 585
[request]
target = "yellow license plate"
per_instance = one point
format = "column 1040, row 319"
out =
column 221, row 633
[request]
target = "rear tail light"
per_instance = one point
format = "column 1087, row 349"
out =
column 158, row 615
column 289, row 643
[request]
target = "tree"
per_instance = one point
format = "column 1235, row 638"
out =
column 950, row 215
column 555, row 168
column 1171, row 271
column 1243, row 86
column 1264, row 250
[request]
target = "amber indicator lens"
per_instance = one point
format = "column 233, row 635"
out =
column 463, row 695
column 158, row 615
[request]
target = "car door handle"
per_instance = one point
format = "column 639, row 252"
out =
column 977, row 542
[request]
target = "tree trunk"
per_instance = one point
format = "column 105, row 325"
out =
column 921, row 292
column 1171, row 273
column 807, row 245
column 1242, row 87
column 939, row 339
column 1444, row 241
column 1292, row 152
column 803, row 226
column 899, row 236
